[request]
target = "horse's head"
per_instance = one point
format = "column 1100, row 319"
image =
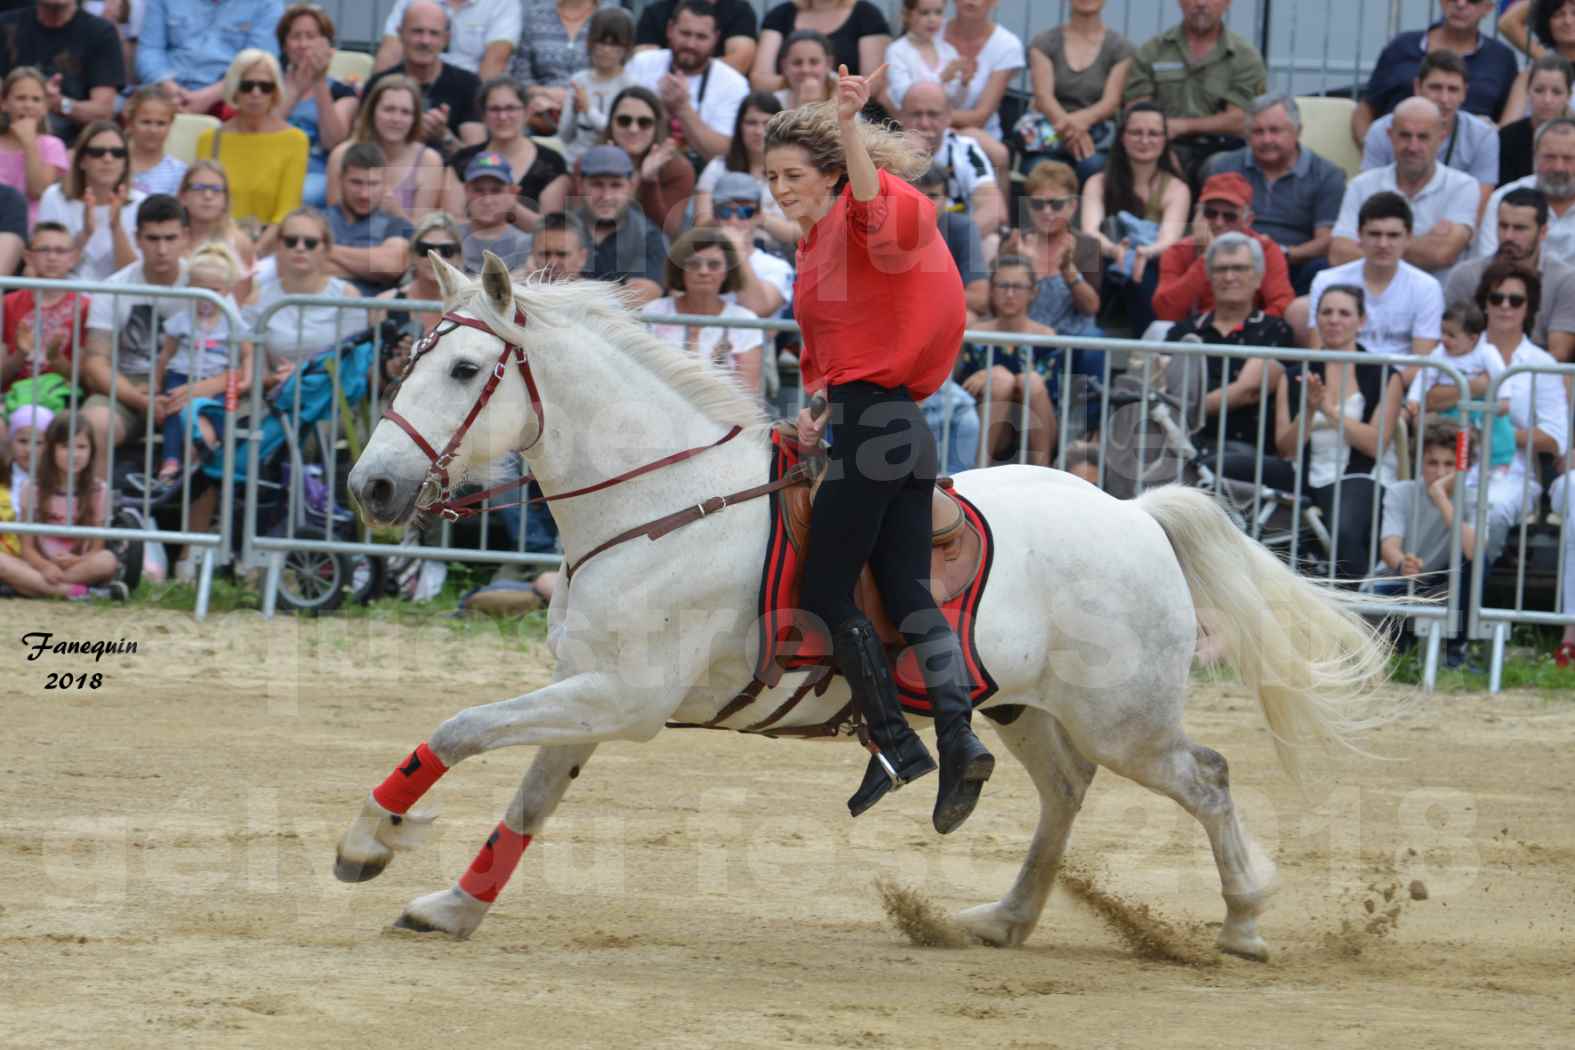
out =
column 467, row 398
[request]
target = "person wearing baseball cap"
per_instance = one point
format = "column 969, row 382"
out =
column 1224, row 206
column 490, row 195
column 625, row 245
column 766, row 280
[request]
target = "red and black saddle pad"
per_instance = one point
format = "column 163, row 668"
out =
column 787, row 642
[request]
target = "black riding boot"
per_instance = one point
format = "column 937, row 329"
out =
column 862, row 661
column 965, row 762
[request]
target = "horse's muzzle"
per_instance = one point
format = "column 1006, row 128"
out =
column 383, row 498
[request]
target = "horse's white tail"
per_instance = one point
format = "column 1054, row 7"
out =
column 1299, row 645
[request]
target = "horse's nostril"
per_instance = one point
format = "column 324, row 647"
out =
column 380, row 493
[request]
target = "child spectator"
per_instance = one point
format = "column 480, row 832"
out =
column 921, row 55
column 148, row 116
column 806, row 67
column 490, row 196
column 29, row 424
column 16, row 575
column 68, row 490
column 51, row 255
column 1463, row 349
column 31, row 159
column 588, row 105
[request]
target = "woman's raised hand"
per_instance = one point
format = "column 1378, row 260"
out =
column 854, row 93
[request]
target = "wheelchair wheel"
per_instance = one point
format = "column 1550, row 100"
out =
column 313, row 582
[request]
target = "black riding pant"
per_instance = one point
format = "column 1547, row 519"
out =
column 874, row 506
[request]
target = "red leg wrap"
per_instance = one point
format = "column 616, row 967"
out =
column 494, row 863
column 405, row 785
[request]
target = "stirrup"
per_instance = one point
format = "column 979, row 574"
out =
column 891, row 771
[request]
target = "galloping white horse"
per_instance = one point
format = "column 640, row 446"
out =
column 1089, row 622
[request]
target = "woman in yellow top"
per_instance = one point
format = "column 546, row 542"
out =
column 264, row 157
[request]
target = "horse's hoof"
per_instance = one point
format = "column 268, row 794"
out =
column 991, row 924
column 452, row 911
column 358, row 870
column 415, row 924
column 1253, row 948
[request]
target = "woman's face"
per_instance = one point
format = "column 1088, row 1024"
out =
column 1144, row 136
column 71, row 457
column 151, row 126
column 927, row 18
column 801, row 190
column 633, row 126
column 1011, row 290
column 705, row 271
column 1550, row 96
column 104, row 160
column 395, row 114
column 1339, row 319
column 302, row 247
column 207, row 196
column 805, row 62
column 1050, row 209
column 503, row 113
column 25, row 101
column 436, row 239
column 753, row 131
column 1506, row 306
column 1563, row 25
column 304, row 39
column 256, row 91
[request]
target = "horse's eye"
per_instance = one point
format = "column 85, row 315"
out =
column 463, row 371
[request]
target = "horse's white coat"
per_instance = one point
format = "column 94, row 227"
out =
column 1088, row 620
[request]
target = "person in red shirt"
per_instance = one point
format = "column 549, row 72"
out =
column 52, row 254
column 1224, row 206
column 882, row 309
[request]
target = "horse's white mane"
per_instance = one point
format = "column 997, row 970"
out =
column 607, row 306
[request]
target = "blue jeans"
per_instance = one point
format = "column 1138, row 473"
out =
column 541, row 532
column 960, row 445
column 178, row 424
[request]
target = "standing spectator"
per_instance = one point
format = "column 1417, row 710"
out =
column 999, row 380
column 921, row 55
column 31, row 159
column 858, row 32
column 560, row 251
column 1070, row 268
column 297, row 333
column 625, row 246
column 701, row 92
column 1080, row 73
column 1296, row 194
column 79, row 53
column 1552, row 80
column 553, row 45
column 316, row 103
column 588, row 102
column 1443, row 201
column 971, row 184
column 491, row 225
column 1224, row 206
column 482, row 35
column 992, row 56
column 369, row 242
column 264, row 157
column 1522, row 220
column 189, row 45
column 543, row 181
column 1554, row 164
column 205, row 195
column 765, row 281
column 736, row 18
column 451, row 118
column 1490, row 66
column 701, row 272
column 746, row 155
column 148, row 116
column 1203, row 76
column 391, row 117
column 640, row 128
column 1469, row 143
column 96, row 202
column 805, row 64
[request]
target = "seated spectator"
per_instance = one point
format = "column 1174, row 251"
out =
column 701, row 92
column 1404, row 305
column 1443, row 201
column 126, row 17
column 1552, row 80
column 77, row 52
column 69, row 491
column 1470, row 142
column 31, row 159
column 962, row 240
column 1234, row 386
column 805, row 64
column 1301, row 216
column 663, row 176
column 482, row 35
column 1224, row 206
column 1463, row 349
column 319, row 105
column 189, row 47
column 560, row 251
column 28, row 424
column 1490, row 66
column 765, row 281
column 1136, row 208
column 625, row 246
column 1203, row 77
column 148, row 117
column 543, row 177
column 953, row 418
column 735, row 46
column 293, row 334
column 13, row 229
column 399, row 328
column 51, row 255
column 921, row 55
column 264, row 157
column 1341, row 445
column 992, row 57
column 588, row 102
column 1554, row 30
column 391, row 116
column 553, row 46
column 1080, row 73
column 452, row 116
column 15, row 572
column 491, row 218
column 746, row 155
column 701, row 272
column 998, row 379
column 1522, row 220
column 858, row 31
column 205, row 195
column 1071, row 269
column 369, row 242
column 971, row 183
column 96, row 202
column 1554, row 175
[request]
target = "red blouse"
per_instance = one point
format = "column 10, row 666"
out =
column 878, row 295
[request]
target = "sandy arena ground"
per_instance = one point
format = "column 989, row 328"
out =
column 166, row 843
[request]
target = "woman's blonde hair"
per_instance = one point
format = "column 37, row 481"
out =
column 245, row 60
column 816, row 130
column 365, row 130
column 211, row 167
column 218, row 261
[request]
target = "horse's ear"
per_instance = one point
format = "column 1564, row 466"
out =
column 449, row 279
column 497, row 284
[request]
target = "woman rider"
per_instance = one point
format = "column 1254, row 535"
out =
column 882, row 309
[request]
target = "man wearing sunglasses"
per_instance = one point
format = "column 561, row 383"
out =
column 971, row 188
column 187, row 45
column 1224, row 206
column 79, row 53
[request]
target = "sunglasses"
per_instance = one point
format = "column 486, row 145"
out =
column 100, row 152
column 206, row 187
column 296, row 241
column 624, row 120
column 1506, row 299
column 1055, row 204
column 447, row 251
column 263, row 87
column 1220, row 214
column 736, row 211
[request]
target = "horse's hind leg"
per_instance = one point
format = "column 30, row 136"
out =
column 1062, row 776
column 458, row 910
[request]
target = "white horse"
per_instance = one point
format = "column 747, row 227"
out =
column 1088, row 625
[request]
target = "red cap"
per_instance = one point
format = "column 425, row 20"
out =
column 1227, row 186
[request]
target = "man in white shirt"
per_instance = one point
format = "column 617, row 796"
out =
column 1443, row 201
column 1470, row 143
column 481, row 35
column 1553, row 166
column 702, row 92
column 971, row 186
